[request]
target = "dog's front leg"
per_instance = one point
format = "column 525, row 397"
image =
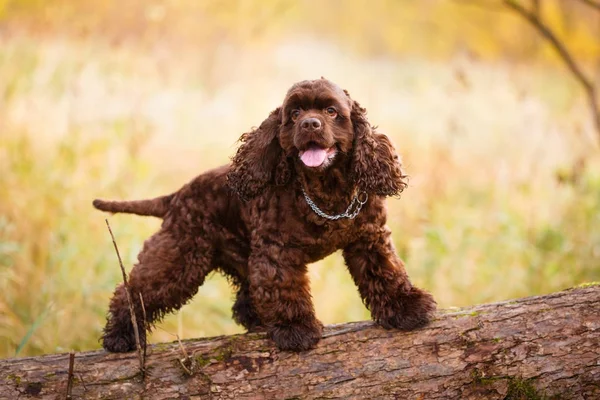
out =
column 280, row 292
column 384, row 285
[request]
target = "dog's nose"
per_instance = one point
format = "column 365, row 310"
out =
column 311, row 124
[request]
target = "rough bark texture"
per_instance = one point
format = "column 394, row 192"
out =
column 533, row 348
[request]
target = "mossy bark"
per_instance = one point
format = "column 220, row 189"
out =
column 535, row 348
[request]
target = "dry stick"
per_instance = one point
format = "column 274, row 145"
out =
column 82, row 382
column 130, row 302
column 145, row 321
column 70, row 377
column 564, row 55
column 186, row 359
column 185, row 353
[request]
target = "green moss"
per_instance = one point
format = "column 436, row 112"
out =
column 255, row 336
column 518, row 388
column 588, row 284
column 161, row 346
column 221, row 354
column 202, row 361
column 224, row 353
column 523, row 389
column 15, row 378
column 496, row 340
column 471, row 314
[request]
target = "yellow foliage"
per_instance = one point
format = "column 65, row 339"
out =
column 434, row 28
column 132, row 99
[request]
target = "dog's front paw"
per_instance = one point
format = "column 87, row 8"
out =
column 297, row 337
column 407, row 311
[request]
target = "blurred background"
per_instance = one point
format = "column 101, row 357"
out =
column 132, row 99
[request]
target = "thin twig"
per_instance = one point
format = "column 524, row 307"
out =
column 186, row 357
column 178, row 340
column 82, row 382
column 70, row 376
column 145, row 321
column 564, row 54
column 182, row 363
column 185, row 354
column 130, row 302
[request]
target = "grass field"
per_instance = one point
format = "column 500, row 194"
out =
column 504, row 197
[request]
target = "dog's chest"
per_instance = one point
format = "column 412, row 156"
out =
column 320, row 240
column 292, row 224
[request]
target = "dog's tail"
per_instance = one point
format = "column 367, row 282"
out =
column 156, row 207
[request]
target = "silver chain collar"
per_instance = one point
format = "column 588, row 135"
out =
column 349, row 213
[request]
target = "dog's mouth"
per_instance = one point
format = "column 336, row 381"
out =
column 315, row 156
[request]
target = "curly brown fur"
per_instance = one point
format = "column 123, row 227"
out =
column 250, row 220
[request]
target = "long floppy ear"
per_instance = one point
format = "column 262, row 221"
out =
column 259, row 160
column 376, row 165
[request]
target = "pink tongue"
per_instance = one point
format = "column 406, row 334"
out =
column 313, row 157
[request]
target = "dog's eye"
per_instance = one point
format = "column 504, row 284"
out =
column 295, row 114
column 332, row 112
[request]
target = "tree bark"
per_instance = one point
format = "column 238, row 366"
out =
column 532, row 348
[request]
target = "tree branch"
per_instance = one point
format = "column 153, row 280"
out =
column 564, row 54
column 538, row 347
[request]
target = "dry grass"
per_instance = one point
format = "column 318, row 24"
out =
column 503, row 200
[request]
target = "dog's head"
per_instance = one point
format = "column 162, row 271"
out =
column 317, row 127
column 316, row 124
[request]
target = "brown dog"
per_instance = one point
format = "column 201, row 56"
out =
column 310, row 180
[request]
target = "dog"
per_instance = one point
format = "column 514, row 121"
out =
column 310, row 180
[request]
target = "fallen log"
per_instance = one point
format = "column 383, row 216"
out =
column 532, row 348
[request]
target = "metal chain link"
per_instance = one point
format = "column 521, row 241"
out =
column 346, row 214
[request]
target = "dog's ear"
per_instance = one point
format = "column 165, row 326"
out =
column 260, row 160
column 375, row 165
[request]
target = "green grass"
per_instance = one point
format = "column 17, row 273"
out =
column 499, row 206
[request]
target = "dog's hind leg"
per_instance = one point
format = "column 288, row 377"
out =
column 243, row 310
column 169, row 271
